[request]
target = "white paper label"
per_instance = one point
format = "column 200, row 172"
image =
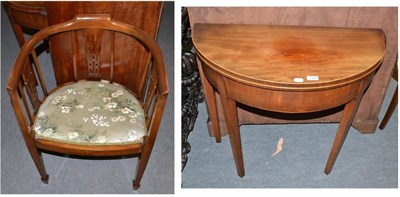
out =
column 298, row 80
column 312, row 78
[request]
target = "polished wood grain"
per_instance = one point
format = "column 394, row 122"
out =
column 210, row 98
column 126, row 54
column 385, row 18
column 27, row 14
column 27, row 18
column 230, row 112
column 23, row 92
column 255, row 66
column 281, row 100
column 239, row 52
column 112, row 150
column 349, row 112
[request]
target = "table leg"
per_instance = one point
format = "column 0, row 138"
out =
column 211, row 105
column 231, row 118
column 349, row 112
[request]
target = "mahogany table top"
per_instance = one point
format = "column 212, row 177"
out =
column 289, row 57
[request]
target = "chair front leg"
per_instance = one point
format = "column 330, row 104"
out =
column 38, row 160
column 142, row 162
column 148, row 141
column 29, row 141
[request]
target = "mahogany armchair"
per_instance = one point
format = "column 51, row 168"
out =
column 95, row 113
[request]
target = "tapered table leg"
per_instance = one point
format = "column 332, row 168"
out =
column 211, row 105
column 349, row 111
column 231, row 118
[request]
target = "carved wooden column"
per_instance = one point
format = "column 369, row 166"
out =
column 191, row 86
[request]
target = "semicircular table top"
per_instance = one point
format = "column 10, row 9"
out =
column 289, row 57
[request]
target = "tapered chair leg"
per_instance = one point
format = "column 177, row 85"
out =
column 38, row 160
column 231, row 118
column 142, row 163
column 136, row 181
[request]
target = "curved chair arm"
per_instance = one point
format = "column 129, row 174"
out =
column 95, row 21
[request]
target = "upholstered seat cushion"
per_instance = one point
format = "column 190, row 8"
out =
column 91, row 113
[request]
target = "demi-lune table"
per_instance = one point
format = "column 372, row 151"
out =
column 286, row 69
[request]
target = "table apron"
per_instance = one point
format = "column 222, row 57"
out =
column 284, row 100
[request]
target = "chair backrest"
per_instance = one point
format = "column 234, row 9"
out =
column 143, row 15
column 86, row 35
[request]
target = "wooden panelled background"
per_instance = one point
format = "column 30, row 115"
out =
column 384, row 18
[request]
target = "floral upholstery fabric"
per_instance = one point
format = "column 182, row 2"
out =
column 91, row 113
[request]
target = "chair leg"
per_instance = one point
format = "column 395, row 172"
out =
column 136, row 181
column 38, row 160
column 142, row 163
column 390, row 110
